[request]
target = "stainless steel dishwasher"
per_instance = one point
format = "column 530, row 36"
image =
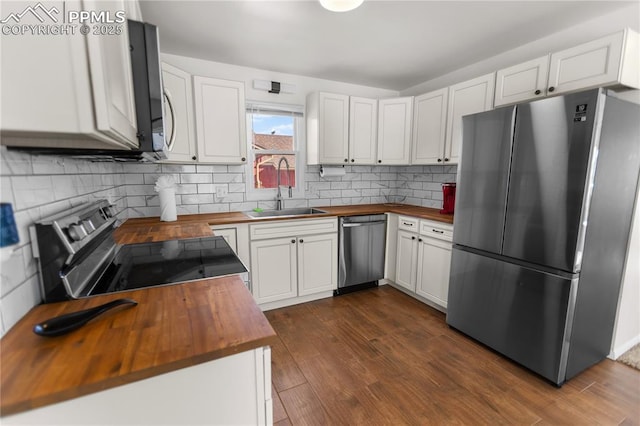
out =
column 361, row 255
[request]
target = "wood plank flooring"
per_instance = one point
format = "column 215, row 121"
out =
column 379, row 357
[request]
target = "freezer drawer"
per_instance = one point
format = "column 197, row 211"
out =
column 520, row 312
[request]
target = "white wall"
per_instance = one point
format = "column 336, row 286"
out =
column 304, row 85
column 584, row 32
column 627, row 328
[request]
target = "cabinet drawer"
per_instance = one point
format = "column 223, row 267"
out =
column 437, row 230
column 407, row 223
column 286, row 228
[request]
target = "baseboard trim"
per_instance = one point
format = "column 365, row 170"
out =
column 621, row 349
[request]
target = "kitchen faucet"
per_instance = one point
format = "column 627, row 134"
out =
column 279, row 200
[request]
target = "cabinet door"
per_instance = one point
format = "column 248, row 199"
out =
column 363, row 130
column 465, row 98
column 221, row 129
column 434, row 262
column 592, row 64
column 429, row 125
column 522, row 82
column 112, row 81
column 394, row 130
column 406, row 260
column 229, row 235
column 317, row 264
column 178, row 113
column 333, row 127
column 273, row 269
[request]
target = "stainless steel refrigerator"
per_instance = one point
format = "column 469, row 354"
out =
column 542, row 220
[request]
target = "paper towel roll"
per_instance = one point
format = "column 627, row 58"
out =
column 332, row 171
column 167, row 205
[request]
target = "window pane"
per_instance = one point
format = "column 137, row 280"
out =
column 265, row 171
column 272, row 132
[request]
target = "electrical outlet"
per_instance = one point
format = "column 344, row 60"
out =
column 221, row 191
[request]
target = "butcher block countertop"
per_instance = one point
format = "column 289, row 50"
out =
column 213, row 219
column 172, row 327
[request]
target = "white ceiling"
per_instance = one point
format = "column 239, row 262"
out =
column 385, row 44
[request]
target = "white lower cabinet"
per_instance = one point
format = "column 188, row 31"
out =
column 273, row 269
column 406, row 261
column 293, row 261
column 237, row 236
column 234, row 390
column 432, row 280
column 423, row 260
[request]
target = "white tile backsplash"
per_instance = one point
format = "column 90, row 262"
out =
column 38, row 186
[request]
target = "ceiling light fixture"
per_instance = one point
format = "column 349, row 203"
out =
column 340, row 5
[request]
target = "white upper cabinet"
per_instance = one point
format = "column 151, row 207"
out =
column 522, row 82
column 465, row 98
column 68, row 91
column 610, row 60
column 363, row 130
column 394, row 130
column 221, row 131
column 429, row 127
column 178, row 114
column 327, row 128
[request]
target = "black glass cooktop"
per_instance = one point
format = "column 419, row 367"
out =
column 167, row 262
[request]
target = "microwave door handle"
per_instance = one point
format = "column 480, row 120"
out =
column 172, row 138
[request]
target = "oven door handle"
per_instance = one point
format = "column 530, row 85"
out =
column 64, row 324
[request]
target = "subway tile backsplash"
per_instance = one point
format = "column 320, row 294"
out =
column 196, row 187
column 38, row 186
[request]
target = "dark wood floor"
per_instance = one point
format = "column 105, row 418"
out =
column 381, row 357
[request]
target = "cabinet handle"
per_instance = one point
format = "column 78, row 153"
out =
column 551, row 89
column 446, row 159
column 194, row 158
column 537, row 92
column 413, row 238
column 293, row 241
column 353, row 161
column 243, row 159
column 346, row 161
column 172, row 137
column 439, row 160
column 438, row 231
column 407, row 224
column 379, row 161
column 301, row 241
column 419, row 240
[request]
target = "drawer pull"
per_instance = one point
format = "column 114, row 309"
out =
column 438, row 231
column 407, row 224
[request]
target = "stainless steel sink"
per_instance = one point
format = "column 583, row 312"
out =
column 284, row 212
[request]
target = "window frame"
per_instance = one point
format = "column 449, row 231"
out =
column 299, row 145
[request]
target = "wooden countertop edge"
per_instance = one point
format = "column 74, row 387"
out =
column 221, row 219
column 90, row 388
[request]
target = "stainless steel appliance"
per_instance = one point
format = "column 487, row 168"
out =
column 361, row 254
column 544, row 205
column 78, row 257
column 149, row 102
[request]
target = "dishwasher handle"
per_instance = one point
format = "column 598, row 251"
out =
column 353, row 225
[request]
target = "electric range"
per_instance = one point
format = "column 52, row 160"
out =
column 78, row 256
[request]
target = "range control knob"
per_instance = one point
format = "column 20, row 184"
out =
column 109, row 211
column 88, row 226
column 77, row 232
